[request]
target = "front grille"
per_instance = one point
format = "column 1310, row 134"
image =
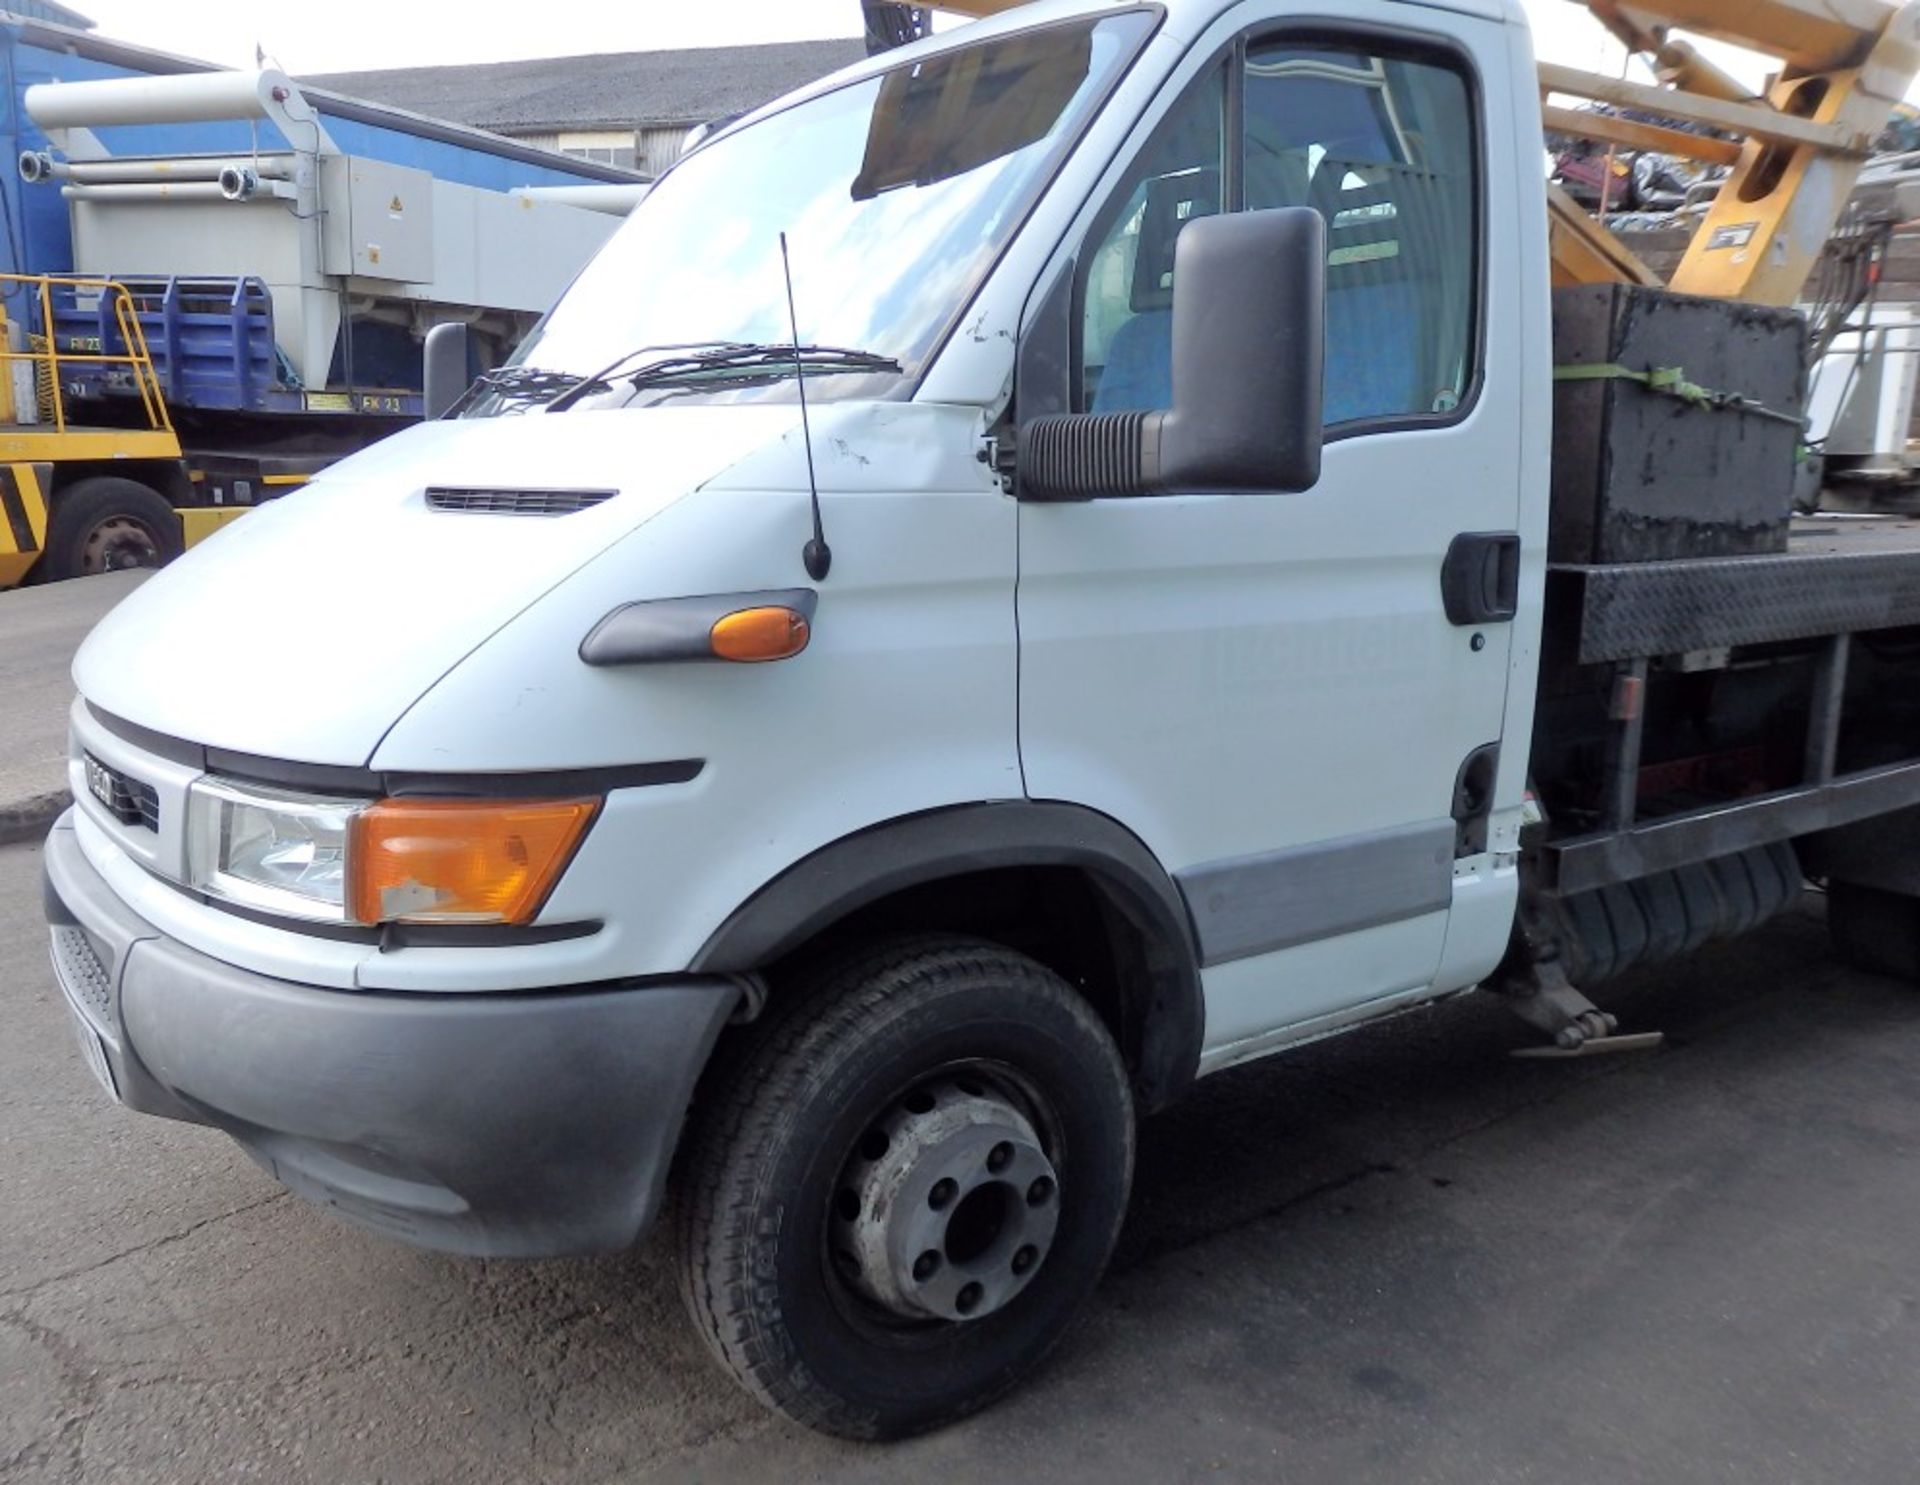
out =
column 81, row 971
column 515, row 502
column 129, row 800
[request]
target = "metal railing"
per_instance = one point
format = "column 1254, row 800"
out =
column 43, row 344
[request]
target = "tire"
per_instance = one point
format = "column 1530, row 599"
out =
column 107, row 524
column 838, row 1127
column 1874, row 929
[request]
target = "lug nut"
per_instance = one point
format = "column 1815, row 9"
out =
column 999, row 1156
column 1025, row 1258
column 926, row 1266
column 1040, row 1192
column 944, row 1191
column 967, row 1299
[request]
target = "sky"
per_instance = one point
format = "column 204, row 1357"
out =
column 354, row 35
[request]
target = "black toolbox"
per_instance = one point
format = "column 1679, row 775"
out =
column 1641, row 474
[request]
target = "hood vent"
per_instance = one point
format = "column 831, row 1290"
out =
column 515, row 502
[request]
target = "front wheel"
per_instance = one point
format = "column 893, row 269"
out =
column 903, row 1186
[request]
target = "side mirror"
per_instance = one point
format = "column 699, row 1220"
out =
column 1249, row 295
column 444, row 363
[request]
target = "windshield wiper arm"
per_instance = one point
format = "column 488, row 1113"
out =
column 779, row 359
column 598, row 382
column 700, row 359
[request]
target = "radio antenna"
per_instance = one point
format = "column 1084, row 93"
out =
column 816, row 555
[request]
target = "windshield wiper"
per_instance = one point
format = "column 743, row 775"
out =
column 778, row 359
column 747, row 359
column 587, row 385
column 518, row 384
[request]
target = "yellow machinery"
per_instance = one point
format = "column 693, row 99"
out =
column 77, row 498
column 1844, row 67
column 1793, row 154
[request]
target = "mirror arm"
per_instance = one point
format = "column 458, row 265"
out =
column 1081, row 456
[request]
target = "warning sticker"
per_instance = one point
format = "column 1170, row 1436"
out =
column 1738, row 235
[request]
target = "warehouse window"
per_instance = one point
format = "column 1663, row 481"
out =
column 1384, row 149
column 602, row 146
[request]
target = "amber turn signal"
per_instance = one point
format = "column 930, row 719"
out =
column 754, row 634
column 460, row 860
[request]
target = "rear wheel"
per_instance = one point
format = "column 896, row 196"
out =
column 904, row 1185
column 108, row 524
column 1874, row 929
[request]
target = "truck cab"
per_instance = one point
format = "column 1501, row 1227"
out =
column 1012, row 583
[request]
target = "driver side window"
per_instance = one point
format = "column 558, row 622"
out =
column 1383, row 147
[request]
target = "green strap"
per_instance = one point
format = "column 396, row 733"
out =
column 1671, row 381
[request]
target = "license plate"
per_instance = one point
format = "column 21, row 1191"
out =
column 94, row 1053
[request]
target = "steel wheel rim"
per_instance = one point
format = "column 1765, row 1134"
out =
column 119, row 544
column 928, row 1260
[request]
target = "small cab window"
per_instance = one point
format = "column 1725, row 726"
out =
column 1125, row 331
column 1383, row 147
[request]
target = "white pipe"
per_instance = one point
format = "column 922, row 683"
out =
column 191, row 190
column 147, row 172
column 184, row 191
column 182, row 98
column 615, row 200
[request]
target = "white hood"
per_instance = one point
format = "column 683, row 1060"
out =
column 305, row 629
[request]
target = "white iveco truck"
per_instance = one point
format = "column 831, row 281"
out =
column 1137, row 654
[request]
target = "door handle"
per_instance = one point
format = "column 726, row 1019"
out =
column 1480, row 579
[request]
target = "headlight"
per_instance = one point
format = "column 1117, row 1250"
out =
column 381, row 861
column 270, row 849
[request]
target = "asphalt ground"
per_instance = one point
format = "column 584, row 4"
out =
column 40, row 628
column 1400, row 1256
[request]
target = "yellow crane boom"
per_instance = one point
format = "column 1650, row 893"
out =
column 1844, row 65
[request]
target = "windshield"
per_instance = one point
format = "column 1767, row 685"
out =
column 896, row 195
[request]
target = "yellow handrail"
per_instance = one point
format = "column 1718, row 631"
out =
column 126, row 317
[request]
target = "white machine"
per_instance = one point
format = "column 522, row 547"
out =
column 330, row 233
column 1861, row 408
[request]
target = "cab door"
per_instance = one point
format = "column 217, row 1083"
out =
column 1269, row 689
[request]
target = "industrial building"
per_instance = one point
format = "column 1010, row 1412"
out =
column 630, row 109
column 215, row 282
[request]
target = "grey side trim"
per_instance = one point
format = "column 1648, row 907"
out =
column 1256, row 904
column 675, row 630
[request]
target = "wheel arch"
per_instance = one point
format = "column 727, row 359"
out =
column 167, row 478
column 1067, row 885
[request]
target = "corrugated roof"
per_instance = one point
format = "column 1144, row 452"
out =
column 613, row 90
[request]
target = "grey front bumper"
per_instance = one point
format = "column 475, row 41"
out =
column 503, row 1124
